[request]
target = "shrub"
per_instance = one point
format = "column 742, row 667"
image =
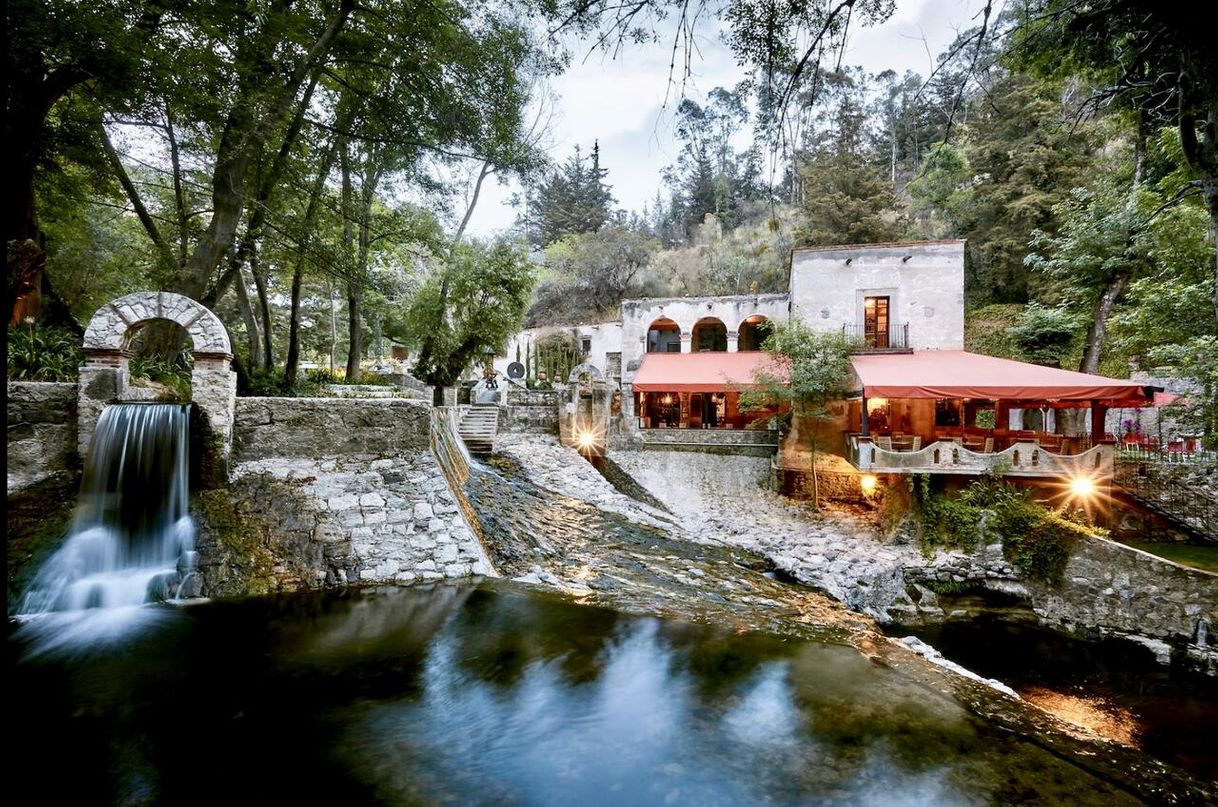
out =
column 174, row 373
column 43, row 354
column 1036, row 540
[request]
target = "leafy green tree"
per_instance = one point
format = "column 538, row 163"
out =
column 591, row 274
column 1154, row 58
column 1046, row 335
column 809, row 370
column 474, row 300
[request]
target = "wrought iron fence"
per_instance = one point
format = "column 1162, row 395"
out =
column 1178, row 490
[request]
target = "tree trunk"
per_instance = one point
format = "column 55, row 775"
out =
column 244, row 131
column 251, row 326
column 1100, row 313
column 1202, row 157
column 264, row 309
column 355, row 332
column 1104, row 305
column 319, row 184
column 292, row 363
column 812, row 453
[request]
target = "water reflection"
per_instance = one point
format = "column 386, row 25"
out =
column 477, row 696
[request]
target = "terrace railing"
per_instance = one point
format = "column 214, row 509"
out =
column 1175, row 489
column 947, row 457
column 893, row 339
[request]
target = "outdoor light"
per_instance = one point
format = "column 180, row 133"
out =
column 1082, row 487
column 868, row 482
column 585, row 439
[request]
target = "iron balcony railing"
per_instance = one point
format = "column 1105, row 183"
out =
column 868, row 338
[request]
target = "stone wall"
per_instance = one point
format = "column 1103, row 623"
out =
column 311, row 428
column 1125, row 590
column 332, row 491
column 530, row 411
column 41, row 431
column 1108, row 589
column 924, row 282
column 753, row 442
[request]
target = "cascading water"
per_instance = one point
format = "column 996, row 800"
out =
column 132, row 539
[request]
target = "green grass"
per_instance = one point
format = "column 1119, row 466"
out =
column 1199, row 557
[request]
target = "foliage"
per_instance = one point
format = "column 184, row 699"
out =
column 1036, row 540
column 987, row 330
column 569, row 201
column 1045, row 335
column 473, row 301
column 173, row 373
column 591, row 273
column 808, row 369
column 43, row 353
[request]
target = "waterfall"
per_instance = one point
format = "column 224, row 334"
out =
column 132, row 539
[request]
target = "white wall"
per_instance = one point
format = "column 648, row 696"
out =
column 925, row 282
column 605, row 338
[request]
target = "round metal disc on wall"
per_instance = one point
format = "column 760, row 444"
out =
column 515, row 370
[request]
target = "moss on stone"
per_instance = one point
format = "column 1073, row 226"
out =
column 234, row 545
column 37, row 521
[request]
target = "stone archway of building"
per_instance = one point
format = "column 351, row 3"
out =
column 663, row 336
column 752, row 332
column 709, row 335
column 588, row 369
column 105, row 374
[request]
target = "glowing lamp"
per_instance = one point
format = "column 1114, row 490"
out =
column 868, row 482
column 585, row 440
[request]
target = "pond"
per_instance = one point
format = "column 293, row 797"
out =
column 1113, row 687
column 491, row 694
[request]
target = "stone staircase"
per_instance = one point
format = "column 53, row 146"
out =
column 479, row 427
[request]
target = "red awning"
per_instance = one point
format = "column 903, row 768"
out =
column 959, row 374
column 699, row 372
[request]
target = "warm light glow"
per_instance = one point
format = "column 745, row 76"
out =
column 585, row 439
column 1082, row 487
column 876, row 403
column 868, row 483
column 667, row 399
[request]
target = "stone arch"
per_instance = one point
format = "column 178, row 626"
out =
column 662, row 335
column 580, row 369
column 709, row 334
column 752, row 332
column 104, row 376
column 116, row 322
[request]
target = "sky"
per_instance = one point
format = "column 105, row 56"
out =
column 627, row 103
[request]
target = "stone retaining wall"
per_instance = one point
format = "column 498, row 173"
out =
column 41, row 431
column 333, row 491
column 1122, row 589
column 530, row 411
column 311, row 428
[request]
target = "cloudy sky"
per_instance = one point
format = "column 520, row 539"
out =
column 621, row 102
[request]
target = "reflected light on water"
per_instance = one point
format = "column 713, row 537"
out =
column 1108, row 720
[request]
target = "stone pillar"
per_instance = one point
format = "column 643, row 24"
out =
column 103, row 380
column 213, row 387
column 687, row 341
column 733, row 341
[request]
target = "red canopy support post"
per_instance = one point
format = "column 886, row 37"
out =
column 864, row 418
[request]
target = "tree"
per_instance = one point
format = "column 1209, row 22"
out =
column 596, row 269
column 809, row 370
column 475, row 299
column 571, row 200
column 1151, row 57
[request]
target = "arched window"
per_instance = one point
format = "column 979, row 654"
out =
column 663, row 336
column 710, row 334
column 753, row 332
